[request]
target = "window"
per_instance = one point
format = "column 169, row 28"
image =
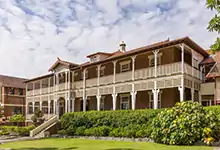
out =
column 195, row 64
column 11, row 91
column 30, row 109
column 102, row 103
column 20, row 91
column 16, row 110
column 151, row 100
column 125, row 66
column 125, row 102
column 151, row 60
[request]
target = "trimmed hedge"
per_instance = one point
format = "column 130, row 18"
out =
column 14, row 130
column 121, row 123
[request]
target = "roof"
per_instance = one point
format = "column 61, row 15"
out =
column 215, row 71
column 59, row 61
column 102, row 53
column 39, row 77
column 159, row 45
column 207, row 60
column 9, row 81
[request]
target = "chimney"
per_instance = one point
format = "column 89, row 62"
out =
column 122, row 46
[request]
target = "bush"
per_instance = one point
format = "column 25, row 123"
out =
column 104, row 122
column 14, row 130
column 97, row 131
column 184, row 124
column 17, row 118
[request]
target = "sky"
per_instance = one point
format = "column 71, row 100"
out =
column 33, row 33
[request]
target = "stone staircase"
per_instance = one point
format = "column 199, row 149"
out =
column 41, row 131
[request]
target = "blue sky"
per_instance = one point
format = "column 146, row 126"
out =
column 33, row 33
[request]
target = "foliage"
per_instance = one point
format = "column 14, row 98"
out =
column 124, row 123
column 17, row 118
column 14, row 130
column 185, row 124
column 37, row 118
column 214, row 24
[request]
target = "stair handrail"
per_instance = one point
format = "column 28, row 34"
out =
column 43, row 126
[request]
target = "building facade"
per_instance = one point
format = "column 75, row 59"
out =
column 12, row 96
column 153, row 76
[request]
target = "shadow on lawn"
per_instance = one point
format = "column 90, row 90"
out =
column 49, row 148
column 121, row 149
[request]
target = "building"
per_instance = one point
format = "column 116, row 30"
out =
column 153, row 76
column 12, row 96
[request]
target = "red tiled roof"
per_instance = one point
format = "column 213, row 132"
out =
column 39, row 77
column 215, row 71
column 9, row 81
column 104, row 53
column 59, row 61
column 154, row 46
column 208, row 60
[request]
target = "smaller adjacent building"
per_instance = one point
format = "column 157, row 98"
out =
column 12, row 96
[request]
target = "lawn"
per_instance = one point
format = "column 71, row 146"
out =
column 82, row 144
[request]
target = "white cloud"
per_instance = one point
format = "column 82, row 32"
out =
column 33, row 33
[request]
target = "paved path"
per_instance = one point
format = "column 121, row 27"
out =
column 17, row 139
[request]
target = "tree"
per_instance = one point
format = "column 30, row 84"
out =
column 37, row 118
column 214, row 23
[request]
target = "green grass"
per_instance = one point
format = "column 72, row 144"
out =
column 82, row 144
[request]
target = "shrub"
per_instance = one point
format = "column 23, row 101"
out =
column 14, row 130
column 17, row 118
column 97, row 131
column 184, row 124
column 107, row 121
column 37, row 118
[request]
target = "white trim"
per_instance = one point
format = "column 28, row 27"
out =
column 150, row 93
column 159, row 55
column 15, row 105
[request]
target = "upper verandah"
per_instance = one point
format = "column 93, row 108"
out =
column 122, row 53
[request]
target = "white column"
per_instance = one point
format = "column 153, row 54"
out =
column 69, row 81
column 54, row 106
column 33, row 105
column 40, row 105
column 200, row 97
column 40, row 87
column 84, row 90
column 48, row 108
column 49, row 79
column 66, row 82
column 33, row 88
column 66, row 105
column 133, row 66
column 114, row 71
column 192, row 94
column 73, row 104
column 181, row 90
column 98, row 102
column 155, row 92
column 192, row 63
column 182, row 57
column 155, row 62
column 133, row 99
column 114, row 99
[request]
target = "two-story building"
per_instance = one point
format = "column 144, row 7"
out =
column 12, row 96
column 153, row 76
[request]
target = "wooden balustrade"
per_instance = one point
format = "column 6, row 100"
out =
column 106, row 80
column 124, row 76
column 91, row 82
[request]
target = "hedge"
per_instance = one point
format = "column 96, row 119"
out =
column 120, row 123
column 15, row 130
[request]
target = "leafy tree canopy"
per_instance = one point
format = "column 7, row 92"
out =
column 214, row 23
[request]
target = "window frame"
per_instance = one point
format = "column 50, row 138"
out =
column 128, row 101
column 128, row 63
column 151, row 60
